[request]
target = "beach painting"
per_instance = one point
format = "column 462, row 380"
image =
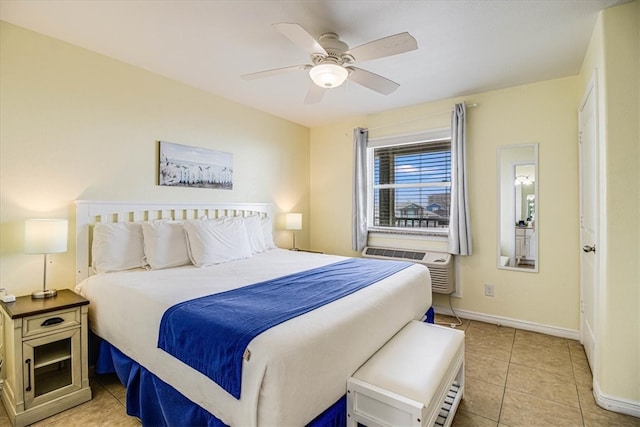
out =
column 185, row 166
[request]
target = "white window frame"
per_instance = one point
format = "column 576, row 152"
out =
column 434, row 135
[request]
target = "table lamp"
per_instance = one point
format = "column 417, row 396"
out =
column 45, row 236
column 293, row 221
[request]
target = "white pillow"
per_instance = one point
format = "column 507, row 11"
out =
column 165, row 244
column 216, row 241
column 117, row 247
column 255, row 235
column 267, row 233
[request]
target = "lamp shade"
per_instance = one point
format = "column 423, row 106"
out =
column 328, row 75
column 45, row 236
column 293, row 221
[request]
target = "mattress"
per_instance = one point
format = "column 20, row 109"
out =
column 297, row 368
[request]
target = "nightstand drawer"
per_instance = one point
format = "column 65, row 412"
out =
column 48, row 322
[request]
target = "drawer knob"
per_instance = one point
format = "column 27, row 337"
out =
column 52, row 321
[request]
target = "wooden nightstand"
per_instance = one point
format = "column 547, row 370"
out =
column 44, row 354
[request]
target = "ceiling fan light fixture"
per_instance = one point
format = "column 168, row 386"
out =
column 328, row 75
column 523, row 180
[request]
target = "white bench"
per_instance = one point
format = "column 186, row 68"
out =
column 416, row 379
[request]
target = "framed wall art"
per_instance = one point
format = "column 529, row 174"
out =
column 185, row 166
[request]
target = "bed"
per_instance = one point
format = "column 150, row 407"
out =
column 291, row 373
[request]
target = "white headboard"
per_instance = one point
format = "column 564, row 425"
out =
column 91, row 212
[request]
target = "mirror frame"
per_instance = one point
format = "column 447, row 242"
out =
column 501, row 156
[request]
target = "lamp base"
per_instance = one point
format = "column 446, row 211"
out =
column 45, row 293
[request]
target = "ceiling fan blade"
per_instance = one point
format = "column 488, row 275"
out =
column 387, row 46
column 372, row 81
column 300, row 37
column 274, row 72
column 315, row 94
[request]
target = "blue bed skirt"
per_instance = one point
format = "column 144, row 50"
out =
column 156, row 403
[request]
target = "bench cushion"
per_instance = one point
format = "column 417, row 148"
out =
column 414, row 361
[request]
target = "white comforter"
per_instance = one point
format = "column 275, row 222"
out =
column 296, row 370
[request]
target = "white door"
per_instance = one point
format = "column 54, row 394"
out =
column 588, row 141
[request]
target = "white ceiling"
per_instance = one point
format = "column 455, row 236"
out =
column 464, row 47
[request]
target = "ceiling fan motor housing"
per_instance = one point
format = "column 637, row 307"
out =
column 335, row 48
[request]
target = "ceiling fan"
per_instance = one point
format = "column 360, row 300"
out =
column 331, row 60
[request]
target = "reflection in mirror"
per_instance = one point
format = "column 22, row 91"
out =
column 517, row 207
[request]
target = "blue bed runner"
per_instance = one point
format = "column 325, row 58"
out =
column 211, row 333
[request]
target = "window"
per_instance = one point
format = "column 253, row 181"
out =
column 410, row 185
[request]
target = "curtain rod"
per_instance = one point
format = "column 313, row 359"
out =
column 419, row 118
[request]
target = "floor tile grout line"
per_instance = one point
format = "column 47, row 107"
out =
column 112, row 395
column 506, row 379
column 478, row 353
column 543, row 370
column 546, row 398
column 548, row 372
column 565, row 343
column 575, row 383
column 473, row 413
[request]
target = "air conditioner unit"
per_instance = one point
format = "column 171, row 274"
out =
column 440, row 265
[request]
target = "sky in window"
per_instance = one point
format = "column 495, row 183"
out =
column 430, row 167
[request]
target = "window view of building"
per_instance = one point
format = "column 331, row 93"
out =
column 412, row 185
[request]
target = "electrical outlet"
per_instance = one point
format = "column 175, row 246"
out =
column 489, row 290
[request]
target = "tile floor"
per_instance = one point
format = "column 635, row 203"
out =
column 513, row 378
column 520, row 378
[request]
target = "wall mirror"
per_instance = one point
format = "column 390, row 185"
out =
column 518, row 223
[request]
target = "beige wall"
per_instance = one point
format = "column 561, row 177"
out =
column 545, row 113
column 78, row 125
column 331, row 172
column 614, row 52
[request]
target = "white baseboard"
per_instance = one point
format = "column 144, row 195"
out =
column 615, row 404
column 513, row 323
